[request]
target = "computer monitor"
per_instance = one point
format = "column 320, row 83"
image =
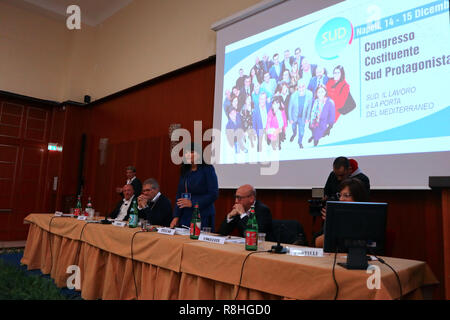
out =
column 357, row 228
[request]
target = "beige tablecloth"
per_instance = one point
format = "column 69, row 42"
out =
column 176, row 267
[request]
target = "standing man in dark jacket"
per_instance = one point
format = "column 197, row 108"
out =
column 342, row 170
column 130, row 172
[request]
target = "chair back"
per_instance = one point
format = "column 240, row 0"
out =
column 288, row 231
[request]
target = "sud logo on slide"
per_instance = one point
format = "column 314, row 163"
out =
column 333, row 37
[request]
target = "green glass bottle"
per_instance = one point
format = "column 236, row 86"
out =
column 196, row 223
column 134, row 218
column 77, row 211
column 251, row 232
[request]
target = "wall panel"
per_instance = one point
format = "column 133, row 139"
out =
column 24, row 132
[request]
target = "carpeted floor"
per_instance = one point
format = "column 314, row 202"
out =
column 13, row 257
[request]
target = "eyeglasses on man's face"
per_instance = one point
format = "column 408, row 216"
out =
column 239, row 198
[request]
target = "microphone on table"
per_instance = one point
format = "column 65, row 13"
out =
column 279, row 248
column 105, row 221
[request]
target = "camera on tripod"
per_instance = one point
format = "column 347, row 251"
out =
column 317, row 202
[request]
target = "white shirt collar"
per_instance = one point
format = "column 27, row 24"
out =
column 129, row 181
column 129, row 200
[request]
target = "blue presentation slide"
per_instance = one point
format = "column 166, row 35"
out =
column 358, row 78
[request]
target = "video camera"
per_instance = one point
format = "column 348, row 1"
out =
column 317, row 202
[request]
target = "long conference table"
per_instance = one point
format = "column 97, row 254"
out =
column 123, row 263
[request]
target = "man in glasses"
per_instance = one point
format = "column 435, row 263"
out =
column 238, row 216
column 343, row 168
column 153, row 206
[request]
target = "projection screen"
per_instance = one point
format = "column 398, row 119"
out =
column 302, row 82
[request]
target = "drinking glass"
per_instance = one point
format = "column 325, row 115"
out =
column 261, row 240
column 206, row 230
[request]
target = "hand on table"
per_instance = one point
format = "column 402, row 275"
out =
column 174, row 222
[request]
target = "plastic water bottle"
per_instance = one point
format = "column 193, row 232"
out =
column 134, row 218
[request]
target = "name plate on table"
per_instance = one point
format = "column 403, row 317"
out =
column 82, row 218
column 182, row 231
column 212, row 239
column 58, row 214
column 119, row 223
column 233, row 239
column 168, row 231
column 306, row 252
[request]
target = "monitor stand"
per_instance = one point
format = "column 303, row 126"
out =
column 356, row 259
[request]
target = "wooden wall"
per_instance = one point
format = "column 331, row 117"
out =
column 25, row 128
column 136, row 123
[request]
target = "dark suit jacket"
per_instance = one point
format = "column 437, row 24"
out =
column 313, row 83
column 116, row 210
column 273, row 73
column 332, row 184
column 263, row 216
column 137, row 186
column 158, row 213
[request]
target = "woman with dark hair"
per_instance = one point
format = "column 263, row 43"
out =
column 255, row 78
column 285, row 95
column 234, row 129
column 247, row 121
column 322, row 115
column 351, row 190
column 197, row 185
column 338, row 89
column 276, row 124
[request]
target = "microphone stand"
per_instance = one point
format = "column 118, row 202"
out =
column 279, row 248
column 105, row 221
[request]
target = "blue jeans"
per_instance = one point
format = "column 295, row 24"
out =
column 301, row 131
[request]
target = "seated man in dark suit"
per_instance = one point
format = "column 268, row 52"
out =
column 122, row 210
column 153, row 205
column 238, row 217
